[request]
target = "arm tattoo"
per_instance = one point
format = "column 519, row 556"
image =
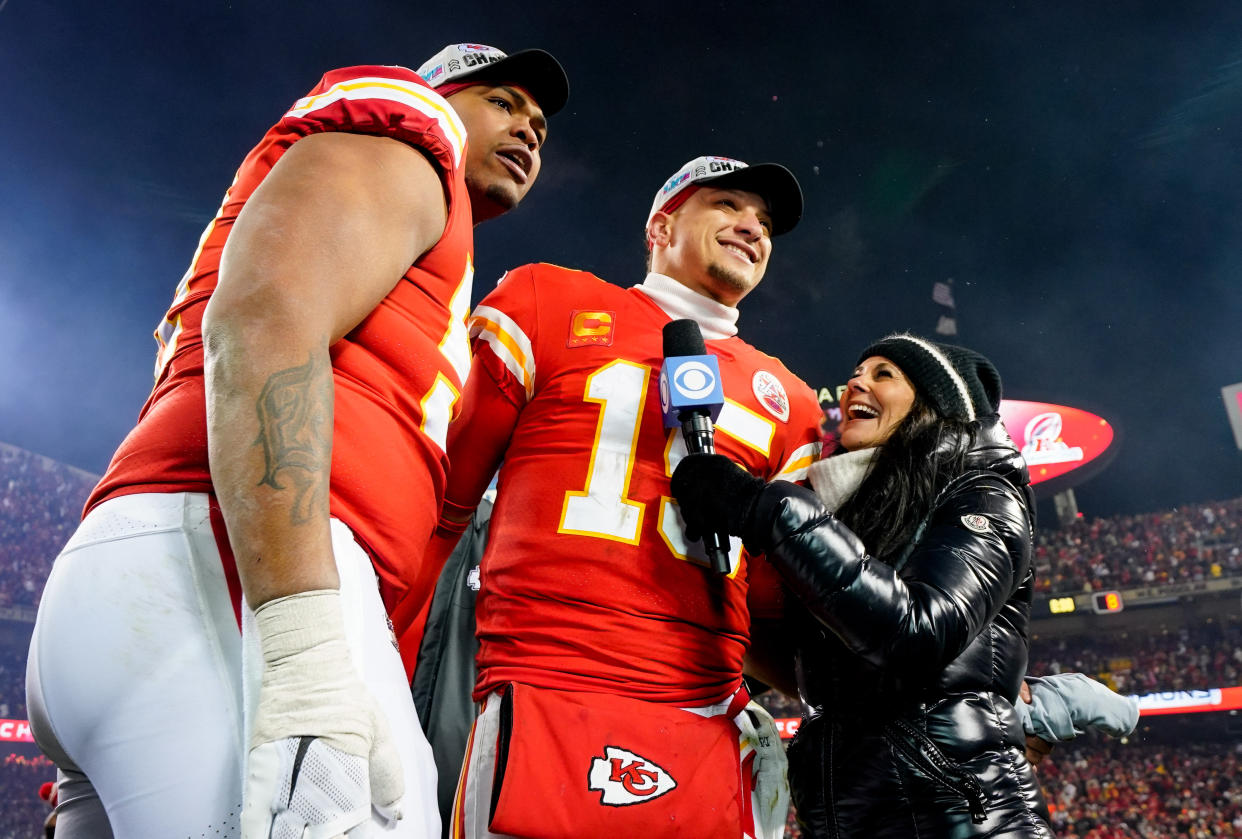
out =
column 295, row 428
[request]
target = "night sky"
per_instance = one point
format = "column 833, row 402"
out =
column 1073, row 168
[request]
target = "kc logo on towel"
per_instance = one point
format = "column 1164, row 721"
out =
column 623, row 778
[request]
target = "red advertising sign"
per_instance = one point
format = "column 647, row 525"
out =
column 15, row 731
column 1055, row 439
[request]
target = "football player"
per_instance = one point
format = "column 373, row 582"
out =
column 610, row 661
column 217, row 630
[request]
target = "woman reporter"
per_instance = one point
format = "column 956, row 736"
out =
column 910, row 655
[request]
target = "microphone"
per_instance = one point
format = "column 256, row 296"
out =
column 691, row 396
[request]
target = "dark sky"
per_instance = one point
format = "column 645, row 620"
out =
column 1074, row 168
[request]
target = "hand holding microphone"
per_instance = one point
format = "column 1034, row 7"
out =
column 691, row 396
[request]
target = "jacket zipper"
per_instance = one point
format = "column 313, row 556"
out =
column 924, row 754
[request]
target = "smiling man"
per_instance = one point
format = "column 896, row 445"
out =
column 286, row 473
column 599, row 622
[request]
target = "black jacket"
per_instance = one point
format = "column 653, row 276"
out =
column 910, row 669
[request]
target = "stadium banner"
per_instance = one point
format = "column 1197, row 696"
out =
column 15, row 731
column 1190, row 701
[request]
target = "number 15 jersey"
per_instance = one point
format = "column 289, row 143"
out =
column 588, row 581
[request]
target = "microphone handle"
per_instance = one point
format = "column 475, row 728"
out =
column 697, row 431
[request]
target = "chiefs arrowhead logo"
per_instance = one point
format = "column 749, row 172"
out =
column 623, row 777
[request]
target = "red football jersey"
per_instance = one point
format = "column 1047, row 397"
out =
column 398, row 373
column 588, row 582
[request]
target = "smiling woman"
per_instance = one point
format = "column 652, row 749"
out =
column 911, row 638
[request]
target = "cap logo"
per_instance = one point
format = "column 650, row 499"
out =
column 474, row 47
column 479, row 59
column 431, row 74
column 771, row 394
column 676, row 181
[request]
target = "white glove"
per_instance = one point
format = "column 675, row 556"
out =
column 321, row 755
column 771, row 785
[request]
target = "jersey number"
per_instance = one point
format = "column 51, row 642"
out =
column 603, row 509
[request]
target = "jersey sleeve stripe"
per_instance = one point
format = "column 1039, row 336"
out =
column 796, row 468
column 424, row 100
column 508, row 342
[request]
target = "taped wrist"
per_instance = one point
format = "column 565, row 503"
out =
column 310, row 687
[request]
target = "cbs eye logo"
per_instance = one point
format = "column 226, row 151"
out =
column 694, row 380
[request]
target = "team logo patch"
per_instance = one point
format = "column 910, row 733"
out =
column 590, row 329
column 622, row 778
column 976, row 523
column 771, row 394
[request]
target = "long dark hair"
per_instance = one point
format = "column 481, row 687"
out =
column 924, row 452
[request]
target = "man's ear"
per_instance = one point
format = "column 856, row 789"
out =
column 659, row 230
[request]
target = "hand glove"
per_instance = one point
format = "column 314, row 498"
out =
column 1066, row 705
column 715, row 495
column 321, row 755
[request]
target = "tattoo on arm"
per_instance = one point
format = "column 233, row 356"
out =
column 295, row 429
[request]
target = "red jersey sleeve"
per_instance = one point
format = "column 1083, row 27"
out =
column 494, row 395
column 385, row 100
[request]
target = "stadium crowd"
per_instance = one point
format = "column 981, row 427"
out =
column 1183, row 545
column 1109, row 790
column 40, row 505
column 1208, row 655
column 24, row 811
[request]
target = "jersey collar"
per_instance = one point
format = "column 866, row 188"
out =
column 715, row 319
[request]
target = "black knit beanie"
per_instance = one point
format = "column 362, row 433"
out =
column 956, row 381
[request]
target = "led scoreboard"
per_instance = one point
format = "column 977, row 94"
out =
column 1106, row 601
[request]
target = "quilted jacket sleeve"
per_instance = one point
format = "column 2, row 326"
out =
column 969, row 561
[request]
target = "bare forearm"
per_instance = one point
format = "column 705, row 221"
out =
column 270, row 446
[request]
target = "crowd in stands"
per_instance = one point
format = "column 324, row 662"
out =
column 13, row 682
column 24, row 812
column 1104, row 789
column 1189, row 544
column 40, row 505
column 1208, row 655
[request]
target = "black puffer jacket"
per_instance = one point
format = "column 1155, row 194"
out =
column 911, row 669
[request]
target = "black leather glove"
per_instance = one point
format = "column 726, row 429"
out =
column 715, row 495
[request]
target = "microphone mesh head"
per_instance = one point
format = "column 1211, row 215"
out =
column 682, row 337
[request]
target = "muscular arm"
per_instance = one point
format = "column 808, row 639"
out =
column 324, row 238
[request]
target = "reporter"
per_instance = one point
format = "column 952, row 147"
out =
column 910, row 655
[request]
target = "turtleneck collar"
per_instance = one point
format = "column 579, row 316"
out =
column 715, row 319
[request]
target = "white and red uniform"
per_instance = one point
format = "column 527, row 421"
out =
column 588, row 583
column 397, row 378
column 397, row 374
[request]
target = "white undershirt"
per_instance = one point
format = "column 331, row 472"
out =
column 716, row 320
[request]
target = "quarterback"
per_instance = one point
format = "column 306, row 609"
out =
column 610, row 656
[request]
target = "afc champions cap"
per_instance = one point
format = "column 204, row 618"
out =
column 535, row 71
column 771, row 181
